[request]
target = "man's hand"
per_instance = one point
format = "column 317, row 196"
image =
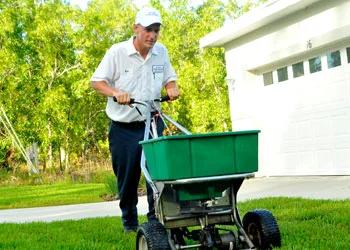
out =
column 173, row 93
column 172, row 90
column 123, row 98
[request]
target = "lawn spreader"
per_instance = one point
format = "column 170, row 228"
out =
column 195, row 179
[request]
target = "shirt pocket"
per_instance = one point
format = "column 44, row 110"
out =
column 127, row 80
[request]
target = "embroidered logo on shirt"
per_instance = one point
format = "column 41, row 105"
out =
column 127, row 72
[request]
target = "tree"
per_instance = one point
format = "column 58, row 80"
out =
column 15, row 18
column 49, row 51
column 203, row 106
column 104, row 23
column 51, row 58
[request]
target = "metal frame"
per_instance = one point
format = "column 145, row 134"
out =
column 223, row 210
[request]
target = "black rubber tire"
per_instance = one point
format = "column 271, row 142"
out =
column 262, row 228
column 152, row 236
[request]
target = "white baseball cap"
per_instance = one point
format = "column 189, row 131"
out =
column 148, row 16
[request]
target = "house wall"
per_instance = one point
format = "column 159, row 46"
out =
column 304, row 121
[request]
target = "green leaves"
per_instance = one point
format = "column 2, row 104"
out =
column 49, row 50
column 203, row 106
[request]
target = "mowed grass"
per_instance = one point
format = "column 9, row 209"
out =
column 50, row 195
column 103, row 233
column 309, row 224
column 304, row 224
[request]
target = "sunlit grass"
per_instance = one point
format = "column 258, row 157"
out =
column 304, row 224
column 50, row 195
column 309, row 224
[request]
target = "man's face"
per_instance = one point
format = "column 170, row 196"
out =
column 147, row 36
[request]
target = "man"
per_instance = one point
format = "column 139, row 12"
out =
column 138, row 68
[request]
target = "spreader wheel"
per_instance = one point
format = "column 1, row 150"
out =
column 261, row 227
column 152, row 236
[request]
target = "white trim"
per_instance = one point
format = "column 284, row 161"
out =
column 268, row 13
column 299, row 50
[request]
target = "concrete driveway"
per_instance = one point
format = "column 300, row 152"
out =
column 328, row 187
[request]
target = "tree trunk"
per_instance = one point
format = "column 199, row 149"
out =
column 49, row 150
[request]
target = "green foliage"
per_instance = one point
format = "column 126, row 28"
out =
column 7, row 154
column 111, row 184
column 49, row 50
column 203, row 106
column 3, row 150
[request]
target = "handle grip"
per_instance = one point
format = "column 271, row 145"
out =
column 164, row 98
column 132, row 100
column 161, row 99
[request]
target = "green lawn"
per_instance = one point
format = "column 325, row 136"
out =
column 50, row 195
column 304, row 224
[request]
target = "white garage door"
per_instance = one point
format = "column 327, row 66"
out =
column 304, row 117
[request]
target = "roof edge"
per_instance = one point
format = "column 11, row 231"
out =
column 269, row 12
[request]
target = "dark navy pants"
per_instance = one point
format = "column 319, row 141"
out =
column 126, row 156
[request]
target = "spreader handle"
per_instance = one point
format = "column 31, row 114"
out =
column 161, row 99
column 164, row 98
column 132, row 100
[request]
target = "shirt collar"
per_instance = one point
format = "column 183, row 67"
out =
column 131, row 48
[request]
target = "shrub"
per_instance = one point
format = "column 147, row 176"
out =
column 111, row 184
column 6, row 153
